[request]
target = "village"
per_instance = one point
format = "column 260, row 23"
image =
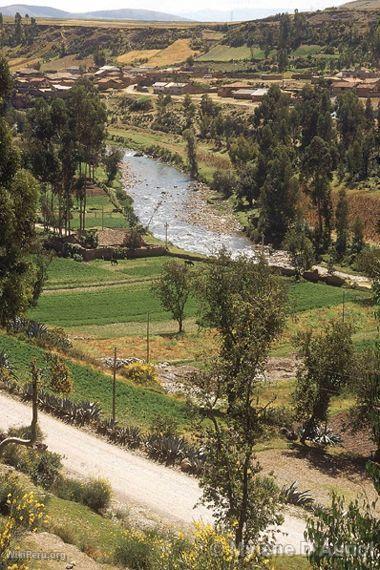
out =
column 184, row 79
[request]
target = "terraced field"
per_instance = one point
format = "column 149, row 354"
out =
column 102, row 306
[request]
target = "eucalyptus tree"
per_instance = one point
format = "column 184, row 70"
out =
column 245, row 303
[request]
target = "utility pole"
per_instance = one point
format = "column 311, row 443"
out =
column 114, row 386
column 148, row 339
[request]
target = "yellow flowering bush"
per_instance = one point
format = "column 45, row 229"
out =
column 26, row 512
column 140, row 373
column 206, row 548
column 210, row 550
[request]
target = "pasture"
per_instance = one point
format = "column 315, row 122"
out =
column 101, row 306
column 135, row 405
column 222, row 52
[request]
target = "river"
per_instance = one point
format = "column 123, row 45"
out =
column 161, row 196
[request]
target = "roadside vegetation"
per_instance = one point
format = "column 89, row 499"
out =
column 85, row 340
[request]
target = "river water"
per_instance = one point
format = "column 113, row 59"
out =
column 161, row 195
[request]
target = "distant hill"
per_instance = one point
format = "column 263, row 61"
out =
column 130, row 14
column 33, row 11
column 123, row 14
column 362, row 5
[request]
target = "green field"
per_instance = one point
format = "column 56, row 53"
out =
column 305, row 50
column 66, row 273
column 98, row 298
column 224, row 52
column 134, row 404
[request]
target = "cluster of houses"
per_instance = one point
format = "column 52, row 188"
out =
column 182, row 81
column 33, row 82
column 364, row 83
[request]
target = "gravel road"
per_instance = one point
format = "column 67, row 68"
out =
column 168, row 493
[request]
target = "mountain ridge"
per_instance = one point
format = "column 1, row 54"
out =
column 121, row 14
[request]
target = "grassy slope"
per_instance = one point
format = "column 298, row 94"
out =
column 223, row 52
column 135, row 404
column 141, row 139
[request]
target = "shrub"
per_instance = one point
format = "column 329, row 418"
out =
column 22, row 508
column 225, row 182
column 93, row 493
column 41, row 465
column 140, row 373
column 96, row 494
column 139, row 550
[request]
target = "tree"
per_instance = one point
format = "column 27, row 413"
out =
column 366, row 411
column 326, row 366
column 244, row 301
column 87, row 120
column 300, row 248
column 317, row 170
column 225, row 182
column 111, row 161
column 58, row 375
column 342, row 224
column 192, row 160
column 173, row 289
column 279, row 198
column 188, row 111
column 345, row 535
column 357, row 244
column 18, row 31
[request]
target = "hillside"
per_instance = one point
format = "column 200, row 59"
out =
column 362, row 5
column 33, row 11
column 123, row 14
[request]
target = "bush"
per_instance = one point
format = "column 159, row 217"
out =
column 93, row 493
column 139, row 550
column 140, row 373
column 41, row 465
column 225, row 182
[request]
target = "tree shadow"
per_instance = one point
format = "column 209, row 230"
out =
column 345, row 464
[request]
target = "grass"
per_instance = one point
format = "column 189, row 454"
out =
column 95, row 535
column 224, row 52
column 134, row 404
column 305, row 50
column 119, row 304
column 177, row 52
column 66, row 273
column 306, row 296
column 99, row 302
column 290, row 563
column 209, row 159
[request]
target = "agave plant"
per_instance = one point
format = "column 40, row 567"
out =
column 106, row 427
column 166, row 449
column 55, row 338
column 294, row 496
column 130, row 436
column 193, row 461
column 323, row 436
column 80, row 413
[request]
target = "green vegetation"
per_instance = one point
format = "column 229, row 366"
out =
column 134, row 404
column 226, row 53
column 103, row 306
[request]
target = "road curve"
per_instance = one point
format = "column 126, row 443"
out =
column 134, row 479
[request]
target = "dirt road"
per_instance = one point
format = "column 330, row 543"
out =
column 134, row 479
